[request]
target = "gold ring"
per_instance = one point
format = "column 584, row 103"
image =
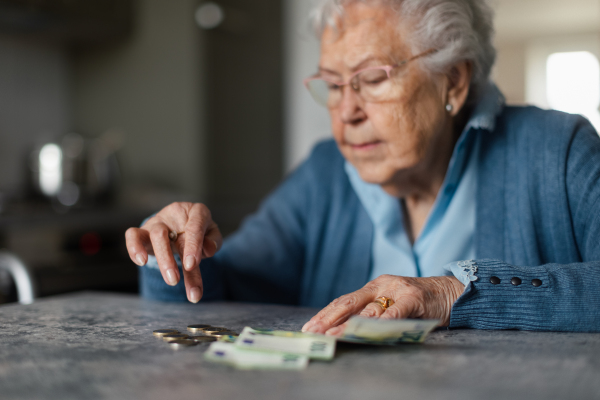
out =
column 384, row 302
column 173, row 235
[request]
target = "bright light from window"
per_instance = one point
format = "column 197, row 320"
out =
column 573, row 84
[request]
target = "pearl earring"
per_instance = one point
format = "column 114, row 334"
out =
column 449, row 107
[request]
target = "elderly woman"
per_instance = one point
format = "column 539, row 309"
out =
column 435, row 200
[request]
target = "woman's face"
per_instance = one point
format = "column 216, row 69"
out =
column 386, row 141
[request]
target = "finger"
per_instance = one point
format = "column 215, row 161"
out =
column 199, row 220
column 178, row 245
column 175, row 216
column 372, row 310
column 159, row 236
column 138, row 245
column 339, row 310
column 193, row 284
column 405, row 307
column 212, row 241
column 192, row 278
column 337, row 330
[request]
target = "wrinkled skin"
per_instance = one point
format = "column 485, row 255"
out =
column 201, row 239
column 403, row 144
column 428, row 298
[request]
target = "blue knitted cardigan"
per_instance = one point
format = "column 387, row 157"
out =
column 538, row 217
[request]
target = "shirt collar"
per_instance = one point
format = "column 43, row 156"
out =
column 483, row 118
column 489, row 106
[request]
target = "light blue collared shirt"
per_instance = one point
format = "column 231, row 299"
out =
column 447, row 236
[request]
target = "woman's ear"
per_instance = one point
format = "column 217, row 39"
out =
column 459, row 82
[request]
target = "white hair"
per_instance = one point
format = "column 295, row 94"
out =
column 461, row 30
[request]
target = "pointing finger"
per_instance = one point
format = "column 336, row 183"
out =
column 197, row 224
column 193, row 284
column 159, row 235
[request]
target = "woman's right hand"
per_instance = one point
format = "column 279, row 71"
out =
column 197, row 237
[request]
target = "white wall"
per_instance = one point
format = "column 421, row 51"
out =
column 517, row 20
column 527, row 31
column 509, row 71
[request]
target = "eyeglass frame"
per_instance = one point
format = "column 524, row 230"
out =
column 386, row 68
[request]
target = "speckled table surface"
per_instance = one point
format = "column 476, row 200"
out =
column 100, row 346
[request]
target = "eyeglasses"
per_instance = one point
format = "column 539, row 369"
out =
column 373, row 84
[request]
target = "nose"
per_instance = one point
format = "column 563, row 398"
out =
column 351, row 109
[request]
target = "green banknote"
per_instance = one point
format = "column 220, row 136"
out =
column 313, row 346
column 387, row 331
column 228, row 354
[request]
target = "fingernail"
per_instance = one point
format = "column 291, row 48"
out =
column 307, row 326
column 140, row 260
column 314, row 329
column 195, row 294
column 171, row 277
column 190, row 262
column 216, row 247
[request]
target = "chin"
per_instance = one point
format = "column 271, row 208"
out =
column 373, row 172
column 385, row 173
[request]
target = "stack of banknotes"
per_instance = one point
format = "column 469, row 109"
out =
column 271, row 349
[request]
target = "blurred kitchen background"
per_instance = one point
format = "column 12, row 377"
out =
column 112, row 109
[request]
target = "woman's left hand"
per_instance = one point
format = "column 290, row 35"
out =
column 427, row 298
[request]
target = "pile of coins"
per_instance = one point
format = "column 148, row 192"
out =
column 207, row 333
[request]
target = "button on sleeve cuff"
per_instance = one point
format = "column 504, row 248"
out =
column 493, row 302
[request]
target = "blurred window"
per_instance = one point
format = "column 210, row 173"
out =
column 573, row 84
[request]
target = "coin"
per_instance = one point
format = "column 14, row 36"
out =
column 202, row 339
column 177, row 344
column 162, row 332
column 197, row 328
column 213, row 329
column 224, row 333
column 174, row 336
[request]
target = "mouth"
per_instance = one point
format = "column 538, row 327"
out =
column 365, row 146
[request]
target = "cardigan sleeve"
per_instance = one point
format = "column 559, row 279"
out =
column 262, row 261
column 550, row 297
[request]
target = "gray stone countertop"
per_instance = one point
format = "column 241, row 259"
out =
column 100, row 346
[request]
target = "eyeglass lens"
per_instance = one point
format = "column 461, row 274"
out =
column 372, row 85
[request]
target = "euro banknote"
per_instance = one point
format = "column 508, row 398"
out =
column 319, row 347
column 228, row 354
column 387, row 331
